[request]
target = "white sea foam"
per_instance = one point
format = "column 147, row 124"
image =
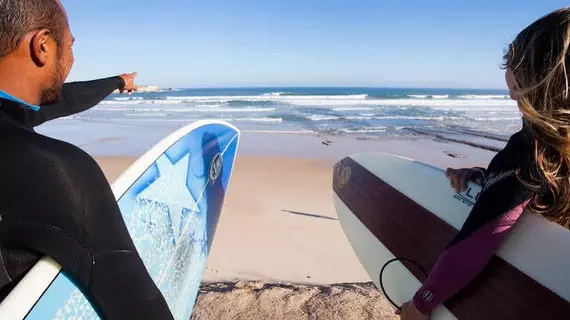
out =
column 207, row 105
column 144, row 119
column 365, row 130
column 262, row 119
column 337, row 102
column 349, row 114
column 428, row 96
column 128, row 98
column 281, row 131
column 484, row 97
column 146, row 114
column 497, row 119
column 137, row 109
column 275, row 98
column 479, row 108
column 137, row 119
column 246, row 109
column 353, row 109
column 121, row 102
column 200, row 108
column 358, row 118
column 165, row 101
column 320, row 117
column 433, row 118
column 402, row 103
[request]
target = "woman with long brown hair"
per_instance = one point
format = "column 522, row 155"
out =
column 532, row 172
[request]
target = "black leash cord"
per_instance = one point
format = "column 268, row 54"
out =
column 382, row 272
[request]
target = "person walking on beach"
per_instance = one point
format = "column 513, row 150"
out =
column 531, row 172
column 54, row 198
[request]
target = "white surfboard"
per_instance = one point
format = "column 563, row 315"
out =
column 393, row 207
column 178, row 187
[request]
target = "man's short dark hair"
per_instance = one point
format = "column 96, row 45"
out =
column 18, row 17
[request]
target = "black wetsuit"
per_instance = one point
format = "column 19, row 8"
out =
column 55, row 201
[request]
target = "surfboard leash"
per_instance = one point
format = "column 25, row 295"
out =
column 382, row 272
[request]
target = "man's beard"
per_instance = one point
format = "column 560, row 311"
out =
column 51, row 94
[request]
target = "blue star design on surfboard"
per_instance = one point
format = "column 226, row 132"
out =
column 178, row 198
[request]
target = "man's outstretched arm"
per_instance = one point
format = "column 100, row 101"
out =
column 77, row 97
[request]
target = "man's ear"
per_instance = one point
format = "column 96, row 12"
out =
column 39, row 49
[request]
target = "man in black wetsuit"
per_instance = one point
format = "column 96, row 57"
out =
column 54, row 198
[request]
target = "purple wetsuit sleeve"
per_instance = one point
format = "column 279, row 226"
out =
column 461, row 262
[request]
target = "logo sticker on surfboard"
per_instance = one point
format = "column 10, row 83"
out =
column 216, row 168
column 469, row 196
column 344, row 177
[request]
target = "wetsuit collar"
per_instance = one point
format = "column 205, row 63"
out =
column 12, row 98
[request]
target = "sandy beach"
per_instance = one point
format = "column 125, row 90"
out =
column 279, row 251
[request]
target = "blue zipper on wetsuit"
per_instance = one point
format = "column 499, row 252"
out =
column 12, row 98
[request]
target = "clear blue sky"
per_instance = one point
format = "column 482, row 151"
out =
column 189, row 43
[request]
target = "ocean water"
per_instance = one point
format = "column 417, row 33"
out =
column 340, row 111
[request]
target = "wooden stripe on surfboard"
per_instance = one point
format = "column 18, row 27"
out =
column 409, row 230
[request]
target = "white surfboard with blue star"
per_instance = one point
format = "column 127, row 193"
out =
column 171, row 200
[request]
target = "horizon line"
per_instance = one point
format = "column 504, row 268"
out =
column 324, row 87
